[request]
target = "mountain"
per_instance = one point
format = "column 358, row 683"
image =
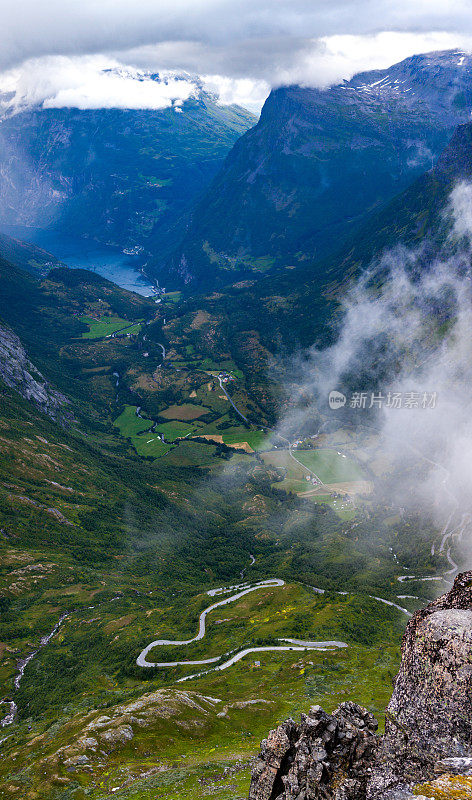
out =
column 120, row 176
column 420, row 218
column 318, row 162
column 418, row 214
column 296, row 306
column 26, row 255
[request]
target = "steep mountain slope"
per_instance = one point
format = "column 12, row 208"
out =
column 318, row 162
column 296, row 306
column 419, row 218
column 27, row 256
column 120, row 176
column 420, row 212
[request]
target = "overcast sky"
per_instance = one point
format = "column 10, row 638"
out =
column 56, row 50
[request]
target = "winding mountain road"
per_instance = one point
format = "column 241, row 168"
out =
column 235, row 656
column 142, row 660
column 293, row 644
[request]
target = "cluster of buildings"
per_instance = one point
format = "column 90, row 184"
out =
column 158, row 292
column 225, row 377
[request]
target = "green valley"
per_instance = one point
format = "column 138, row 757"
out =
column 200, row 534
column 168, row 479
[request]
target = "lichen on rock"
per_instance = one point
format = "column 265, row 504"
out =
column 429, row 716
column 427, row 745
column 324, row 756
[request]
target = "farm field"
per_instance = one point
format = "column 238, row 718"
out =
column 138, row 430
column 153, row 447
column 148, row 443
column 175, row 430
column 192, row 454
column 184, row 412
column 173, row 297
column 257, row 440
column 130, row 424
column 329, row 466
column 99, row 328
column 340, row 476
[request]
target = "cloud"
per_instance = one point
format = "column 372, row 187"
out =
column 108, row 90
column 125, row 79
column 409, row 334
column 88, row 82
column 32, row 28
column 460, row 210
column 342, row 56
column 245, row 47
column 240, row 91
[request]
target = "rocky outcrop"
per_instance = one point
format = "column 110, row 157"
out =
column 428, row 728
column 429, row 717
column 324, row 756
column 19, row 373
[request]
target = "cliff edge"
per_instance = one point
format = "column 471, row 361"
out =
column 428, row 729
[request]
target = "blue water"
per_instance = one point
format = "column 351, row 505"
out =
column 110, row 262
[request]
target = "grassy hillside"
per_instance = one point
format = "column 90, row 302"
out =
column 126, row 542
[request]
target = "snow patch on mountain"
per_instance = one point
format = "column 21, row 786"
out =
column 92, row 82
column 99, row 82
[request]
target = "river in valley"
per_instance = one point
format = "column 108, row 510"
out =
column 75, row 251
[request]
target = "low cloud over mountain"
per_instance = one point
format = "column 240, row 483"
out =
column 403, row 356
column 244, row 49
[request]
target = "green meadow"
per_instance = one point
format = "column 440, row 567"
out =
column 99, row 328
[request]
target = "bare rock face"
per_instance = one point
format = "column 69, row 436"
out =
column 428, row 728
column 19, row 373
column 325, row 756
column 429, row 717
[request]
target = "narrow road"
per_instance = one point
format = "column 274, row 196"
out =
column 220, row 381
column 142, row 661
column 252, row 561
column 121, row 330
column 290, row 444
column 293, row 644
column 242, row 653
column 290, row 451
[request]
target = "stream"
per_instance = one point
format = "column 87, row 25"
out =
column 23, row 663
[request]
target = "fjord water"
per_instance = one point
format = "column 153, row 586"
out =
column 75, row 251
